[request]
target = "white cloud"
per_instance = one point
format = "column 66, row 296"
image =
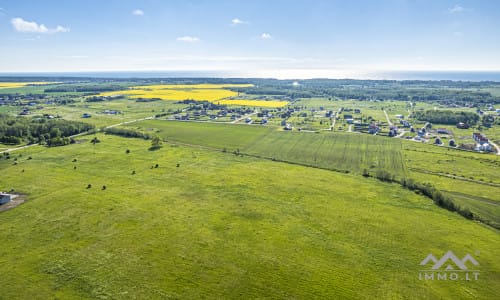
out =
column 237, row 21
column 189, row 39
column 22, row 25
column 60, row 28
column 266, row 36
column 456, row 9
column 138, row 12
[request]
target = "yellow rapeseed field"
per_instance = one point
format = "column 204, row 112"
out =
column 11, row 85
column 216, row 93
column 176, row 95
column 261, row 103
column 194, row 86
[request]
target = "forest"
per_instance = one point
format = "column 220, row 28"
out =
column 447, row 117
column 53, row 132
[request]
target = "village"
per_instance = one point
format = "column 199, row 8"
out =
column 304, row 118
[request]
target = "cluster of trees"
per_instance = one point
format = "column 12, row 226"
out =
column 447, row 117
column 55, row 132
column 126, row 133
column 425, row 189
column 439, row 198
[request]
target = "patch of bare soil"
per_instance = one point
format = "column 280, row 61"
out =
column 18, row 200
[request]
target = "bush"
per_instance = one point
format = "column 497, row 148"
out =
column 126, row 133
column 383, row 175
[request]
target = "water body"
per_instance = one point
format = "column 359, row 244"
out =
column 303, row 74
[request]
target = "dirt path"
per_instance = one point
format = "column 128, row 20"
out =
column 387, row 117
column 496, row 147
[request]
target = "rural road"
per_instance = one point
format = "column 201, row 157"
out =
column 387, row 117
column 18, row 148
column 496, row 147
column 126, row 122
column 243, row 117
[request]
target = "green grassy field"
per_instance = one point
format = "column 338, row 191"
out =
column 221, row 226
column 129, row 110
column 344, row 152
column 472, row 179
column 470, row 174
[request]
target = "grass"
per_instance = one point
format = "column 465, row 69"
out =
column 345, row 152
column 468, row 173
column 214, row 135
column 221, row 226
column 129, row 110
column 443, row 160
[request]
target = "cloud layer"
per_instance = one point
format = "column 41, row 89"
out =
column 21, row 25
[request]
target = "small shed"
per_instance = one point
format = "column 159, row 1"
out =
column 4, row 198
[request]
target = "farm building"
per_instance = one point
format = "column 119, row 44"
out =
column 4, row 198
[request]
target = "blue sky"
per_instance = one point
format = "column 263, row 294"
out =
column 262, row 37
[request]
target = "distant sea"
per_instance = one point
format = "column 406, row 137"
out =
column 383, row 75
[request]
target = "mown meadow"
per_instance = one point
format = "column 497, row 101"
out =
column 471, row 179
column 189, row 222
column 341, row 152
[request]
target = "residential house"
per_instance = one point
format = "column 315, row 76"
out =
column 4, row 198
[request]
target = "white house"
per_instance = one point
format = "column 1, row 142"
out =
column 484, row 147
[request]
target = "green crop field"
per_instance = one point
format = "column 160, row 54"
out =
column 344, row 152
column 208, row 224
column 230, row 136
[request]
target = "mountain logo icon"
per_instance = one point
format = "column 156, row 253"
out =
column 449, row 261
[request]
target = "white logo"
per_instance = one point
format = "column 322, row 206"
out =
column 449, row 267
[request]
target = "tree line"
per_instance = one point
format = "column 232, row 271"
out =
column 55, row 132
column 447, row 117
